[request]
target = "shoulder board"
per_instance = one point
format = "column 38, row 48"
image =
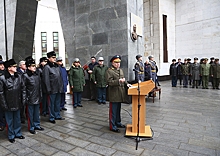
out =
column 0, row 74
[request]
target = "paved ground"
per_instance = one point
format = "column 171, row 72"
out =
column 185, row 121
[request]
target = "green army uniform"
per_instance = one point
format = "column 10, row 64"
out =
column 215, row 71
column 185, row 71
column 204, row 71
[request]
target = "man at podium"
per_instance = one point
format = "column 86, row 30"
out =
column 117, row 83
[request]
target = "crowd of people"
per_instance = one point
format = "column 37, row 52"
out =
column 196, row 73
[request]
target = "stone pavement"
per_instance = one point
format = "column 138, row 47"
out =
column 185, row 122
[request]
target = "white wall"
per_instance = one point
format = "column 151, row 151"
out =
column 197, row 28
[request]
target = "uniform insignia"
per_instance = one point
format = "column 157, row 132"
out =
column 0, row 74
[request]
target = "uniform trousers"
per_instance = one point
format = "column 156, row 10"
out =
column 2, row 123
column 63, row 99
column 101, row 94
column 54, row 106
column 114, row 115
column 180, row 78
column 140, row 77
column 205, row 81
column 185, row 80
column 174, row 81
column 92, row 87
column 22, row 116
column 33, row 116
column 44, row 104
column 13, row 123
column 195, row 83
column 216, row 82
column 77, row 98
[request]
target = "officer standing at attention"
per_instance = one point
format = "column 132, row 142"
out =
column 2, row 122
column 212, row 62
column 12, row 99
column 179, row 74
column 173, row 72
column 117, row 83
column 147, row 71
column 153, row 68
column 54, row 86
column 98, row 76
column 139, row 76
column 215, row 73
column 185, row 70
column 205, row 71
column 32, row 82
column 194, row 71
column 190, row 77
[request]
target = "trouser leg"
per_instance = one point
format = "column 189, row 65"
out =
column 2, row 123
column 99, row 94
column 52, row 98
column 9, row 124
column 103, row 94
column 203, row 81
column 17, row 123
column 44, row 104
column 118, row 114
column 197, row 82
column 217, row 82
column 175, row 81
column 112, row 115
column 57, row 105
column 36, row 116
column 187, row 79
column 207, row 81
column 22, row 116
column 62, row 103
column 30, row 117
column 92, row 90
column 79, row 94
column 75, row 99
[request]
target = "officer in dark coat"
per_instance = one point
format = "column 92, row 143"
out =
column 215, row 73
column 117, row 83
column 179, row 75
column 45, row 99
column 54, row 86
column 2, row 122
column 12, row 98
column 152, row 68
column 185, row 70
column 139, row 76
column 32, row 82
column 190, row 77
column 194, row 71
column 173, row 72
column 147, row 71
column 212, row 62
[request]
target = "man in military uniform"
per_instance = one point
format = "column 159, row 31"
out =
column 152, row 68
column 173, row 72
column 215, row 73
column 185, row 70
column 139, row 76
column 179, row 75
column 194, row 71
column 190, row 77
column 117, row 83
column 204, row 72
column 212, row 62
column 2, row 68
column 147, row 71
column 98, row 76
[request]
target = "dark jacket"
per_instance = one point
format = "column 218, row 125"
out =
column 77, row 78
column 32, row 83
column 215, row 70
column 39, row 71
column 173, row 69
column 98, row 75
column 147, row 71
column 91, row 67
column 52, row 78
column 12, row 92
column 64, row 77
column 179, row 68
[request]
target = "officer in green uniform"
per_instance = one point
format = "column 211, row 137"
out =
column 98, row 77
column 215, row 73
column 194, row 71
column 204, row 72
column 117, row 83
column 185, row 70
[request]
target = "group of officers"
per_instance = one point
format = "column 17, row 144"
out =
column 196, row 73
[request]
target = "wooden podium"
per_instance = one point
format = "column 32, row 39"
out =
column 144, row 130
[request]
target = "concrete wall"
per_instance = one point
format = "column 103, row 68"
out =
column 197, row 28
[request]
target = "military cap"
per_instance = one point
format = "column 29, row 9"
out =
column 101, row 59
column 151, row 56
column 189, row 59
column 212, row 58
column 216, row 59
column 1, row 60
column 116, row 58
column 28, row 58
column 93, row 57
column 76, row 60
column 10, row 63
column 202, row 59
column 30, row 62
column 206, row 59
column 196, row 58
column 43, row 59
column 59, row 59
column 174, row 60
column 138, row 56
column 51, row 54
column 185, row 59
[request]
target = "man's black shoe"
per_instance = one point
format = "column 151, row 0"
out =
column 104, row 103
column 32, row 132
column 11, row 140
column 207, row 88
column 80, row 105
column 45, row 115
column 20, row 137
column 64, row 109
column 53, row 121
column 91, row 99
column 60, row 118
column 121, row 126
column 39, row 128
column 116, row 130
column 74, row 106
column 203, row 87
column 196, row 87
column 99, row 103
column 193, row 87
column 159, row 85
column 23, row 121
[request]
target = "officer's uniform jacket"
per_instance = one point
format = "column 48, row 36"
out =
column 185, row 69
column 39, row 71
column 52, row 78
column 205, row 69
column 179, row 68
column 116, row 90
column 215, row 70
column 147, row 71
column 140, row 67
column 32, row 83
column 152, row 68
column 173, row 69
column 194, row 70
column 12, row 92
column 98, row 75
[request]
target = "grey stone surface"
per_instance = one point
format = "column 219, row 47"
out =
column 100, row 149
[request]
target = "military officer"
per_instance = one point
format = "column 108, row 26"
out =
column 215, row 73
column 212, row 61
column 194, row 71
column 190, row 77
column 98, row 76
column 204, row 72
column 179, row 76
column 185, row 70
column 116, row 82
column 2, row 68
column 173, row 72
column 147, row 71
column 12, row 98
column 139, row 76
column 153, row 68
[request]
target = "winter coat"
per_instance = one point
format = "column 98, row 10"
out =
column 98, row 75
column 194, row 70
column 205, row 69
column 173, row 69
column 40, row 72
column 185, row 69
column 52, row 78
column 12, row 92
column 64, row 77
column 32, row 82
column 215, row 70
column 117, row 92
column 77, row 79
